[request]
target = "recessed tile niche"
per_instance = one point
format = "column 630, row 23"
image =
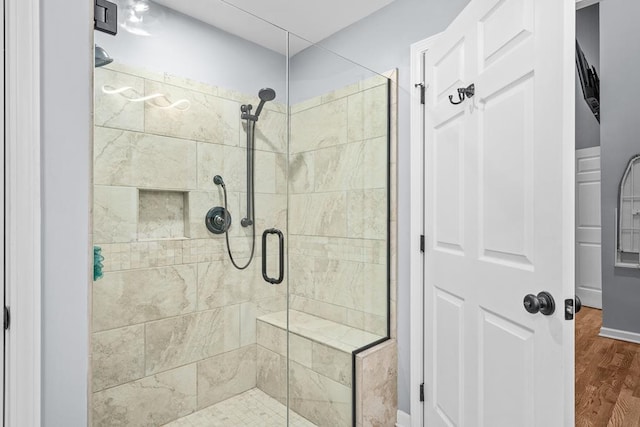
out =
column 162, row 215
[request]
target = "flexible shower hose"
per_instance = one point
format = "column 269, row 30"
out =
column 253, row 217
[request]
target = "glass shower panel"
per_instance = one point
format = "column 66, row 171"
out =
column 338, row 229
column 176, row 336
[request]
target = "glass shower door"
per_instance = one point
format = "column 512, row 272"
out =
column 338, row 231
column 175, row 325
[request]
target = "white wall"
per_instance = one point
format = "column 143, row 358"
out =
column 66, row 155
column 190, row 48
column 381, row 41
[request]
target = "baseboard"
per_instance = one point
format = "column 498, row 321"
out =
column 404, row 419
column 618, row 335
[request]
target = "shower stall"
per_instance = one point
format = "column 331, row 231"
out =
column 244, row 204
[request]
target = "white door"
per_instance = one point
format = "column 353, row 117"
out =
column 499, row 216
column 588, row 227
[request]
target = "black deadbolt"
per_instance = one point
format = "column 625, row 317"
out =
column 542, row 303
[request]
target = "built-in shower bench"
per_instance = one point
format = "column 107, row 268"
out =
column 321, row 367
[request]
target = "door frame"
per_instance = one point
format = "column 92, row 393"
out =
column 22, row 234
column 416, row 227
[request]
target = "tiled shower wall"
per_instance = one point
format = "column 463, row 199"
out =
column 174, row 324
column 338, row 205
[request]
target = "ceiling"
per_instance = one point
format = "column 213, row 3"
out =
column 313, row 20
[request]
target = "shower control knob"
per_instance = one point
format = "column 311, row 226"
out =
column 218, row 220
column 543, row 303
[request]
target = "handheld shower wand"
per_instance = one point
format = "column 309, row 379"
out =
column 218, row 219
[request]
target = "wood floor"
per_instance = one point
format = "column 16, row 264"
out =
column 607, row 376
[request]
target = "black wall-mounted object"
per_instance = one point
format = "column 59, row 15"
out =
column 463, row 93
column 218, row 220
column 589, row 81
column 265, row 276
column 105, row 17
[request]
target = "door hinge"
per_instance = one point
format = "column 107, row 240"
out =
column 7, row 318
column 422, row 91
column 422, row 243
column 105, row 17
column 422, row 392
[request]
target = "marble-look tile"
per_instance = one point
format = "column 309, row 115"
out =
column 375, row 106
column 226, row 375
column 321, row 400
column 248, row 315
column 272, row 374
column 221, row 284
column 322, row 214
column 332, row 363
column 301, row 349
column 143, row 160
column 338, row 336
column 339, row 168
column 162, row 215
column 374, row 81
column 366, row 216
column 190, row 84
column 301, row 275
column 335, row 313
column 116, row 110
column 272, row 337
column 375, row 164
column 302, row 172
column 339, row 282
column 270, row 212
column 117, row 356
column 268, row 305
column 148, row 402
column 378, row 394
column 209, row 118
column 282, row 172
column 128, row 297
column 270, row 132
column 369, row 251
column 264, row 172
column 114, row 214
column 306, row 104
column 357, row 165
column 185, row 339
column 322, row 126
column 366, row 321
column 228, row 162
column 355, row 114
column 341, row 93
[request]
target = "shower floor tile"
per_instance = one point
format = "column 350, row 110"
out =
column 251, row 408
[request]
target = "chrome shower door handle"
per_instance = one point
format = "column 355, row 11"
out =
column 265, row 276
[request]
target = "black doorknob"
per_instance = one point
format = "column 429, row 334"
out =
column 543, row 303
column 578, row 304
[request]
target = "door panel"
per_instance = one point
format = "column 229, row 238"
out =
column 588, row 227
column 497, row 175
column 506, row 355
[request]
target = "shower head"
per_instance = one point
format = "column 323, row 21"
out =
column 217, row 180
column 266, row 94
column 102, row 57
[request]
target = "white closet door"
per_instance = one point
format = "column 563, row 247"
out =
column 588, row 227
